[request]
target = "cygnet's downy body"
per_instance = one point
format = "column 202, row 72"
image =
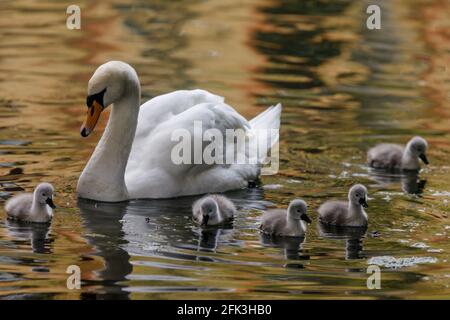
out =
column 395, row 157
column 286, row 223
column 213, row 210
column 343, row 213
column 32, row 207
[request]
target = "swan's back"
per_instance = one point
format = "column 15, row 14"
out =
column 19, row 207
column 151, row 171
column 274, row 221
column 226, row 206
column 161, row 108
column 333, row 212
column 385, row 155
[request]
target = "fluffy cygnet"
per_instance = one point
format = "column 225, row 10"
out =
column 32, row 207
column 394, row 156
column 343, row 213
column 290, row 223
column 212, row 210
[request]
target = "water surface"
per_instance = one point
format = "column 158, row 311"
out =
column 343, row 88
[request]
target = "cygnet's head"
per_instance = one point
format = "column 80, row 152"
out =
column 210, row 212
column 297, row 210
column 358, row 195
column 418, row 146
column 110, row 82
column 43, row 194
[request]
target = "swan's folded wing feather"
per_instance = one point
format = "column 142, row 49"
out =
column 162, row 108
column 151, row 154
column 157, row 145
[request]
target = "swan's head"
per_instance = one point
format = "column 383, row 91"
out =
column 358, row 194
column 297, row 210
column 43, row 194
column 109, row 83
column 418, row 146
column 210, row 212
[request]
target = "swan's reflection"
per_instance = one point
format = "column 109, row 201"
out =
column 36, row 233
column 410, row 181
column 352, row 235
column 104, row 232
column 292, row 248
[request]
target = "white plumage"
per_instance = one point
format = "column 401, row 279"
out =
column 133, row 157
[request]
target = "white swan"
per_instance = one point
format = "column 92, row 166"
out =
column 133, row 158
column 32, row 207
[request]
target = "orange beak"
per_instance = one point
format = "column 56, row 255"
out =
column 92, row 116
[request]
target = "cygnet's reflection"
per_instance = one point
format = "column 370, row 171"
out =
column 410, row 181
column 36, row 233
column 352, row 235
column 209, row 239
column 292, row 248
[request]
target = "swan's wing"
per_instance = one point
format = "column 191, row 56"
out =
column 226, row 206
column 273, row 221
column 333, row 212
column 19, row 207
column 158, row 143
column 385, row 155
column 151, row 159
column 162, row 108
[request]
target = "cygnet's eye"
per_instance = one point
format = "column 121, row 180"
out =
column 298, row 210
column 358, row 195
column 43, row 194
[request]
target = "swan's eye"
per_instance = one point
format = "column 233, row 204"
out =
column 43, row 194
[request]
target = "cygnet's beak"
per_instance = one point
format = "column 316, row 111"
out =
column 305, row 218
column 363, row 202
column 423, row 157
column 95, row 107
column 49, row 201
column 205, row 220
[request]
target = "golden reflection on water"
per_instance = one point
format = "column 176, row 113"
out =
column 343, row 88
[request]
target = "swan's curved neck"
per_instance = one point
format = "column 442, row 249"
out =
column 103, row 177
column 36, row 206
column 355, row 211
column 409, row 160
column 293, row 223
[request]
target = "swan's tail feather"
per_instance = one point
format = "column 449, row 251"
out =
column 265, row 128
